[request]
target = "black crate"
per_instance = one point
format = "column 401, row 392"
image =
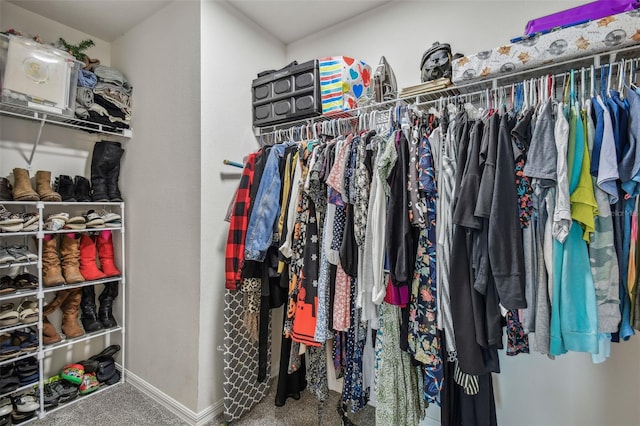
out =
column 288, row 94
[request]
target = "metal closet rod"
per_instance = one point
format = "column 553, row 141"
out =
column 464, row 91
column 367, row 113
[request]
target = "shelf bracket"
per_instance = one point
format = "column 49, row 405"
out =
column 37, row 141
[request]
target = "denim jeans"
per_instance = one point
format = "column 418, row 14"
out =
column 266, row 208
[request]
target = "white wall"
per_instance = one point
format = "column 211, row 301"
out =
column 61, row 151
column 402, row 31
column 233, row 51
column 161, row 185
column 531, row 390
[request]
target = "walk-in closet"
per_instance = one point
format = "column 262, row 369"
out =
column 258, row 283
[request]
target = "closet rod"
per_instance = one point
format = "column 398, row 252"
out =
column 558, row 82
column 468, row 89
column 375, row 117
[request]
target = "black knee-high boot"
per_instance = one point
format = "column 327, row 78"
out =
column 106, row 298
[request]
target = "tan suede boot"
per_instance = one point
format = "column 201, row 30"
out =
column 70, row 254
column 51, row 271
column 71, row 311
column 49, row 333
column 22, row 189
column 43, row 187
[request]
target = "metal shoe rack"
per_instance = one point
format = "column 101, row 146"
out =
column 51, row 358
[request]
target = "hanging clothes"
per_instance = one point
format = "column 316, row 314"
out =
column 423, row 341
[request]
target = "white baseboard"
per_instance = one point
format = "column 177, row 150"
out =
column 180, row 410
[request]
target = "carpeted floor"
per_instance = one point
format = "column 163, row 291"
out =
column 119, row 406
column 124, row 405
column 303, row 412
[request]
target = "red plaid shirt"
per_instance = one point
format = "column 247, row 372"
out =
column 238, row 226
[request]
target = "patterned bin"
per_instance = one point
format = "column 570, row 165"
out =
column 612, row 32
column 343, row 81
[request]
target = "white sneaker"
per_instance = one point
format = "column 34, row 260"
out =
column 94, row 220
column 25, row 403
column 5, row 406
column 30, row 219
column 108, row 216
column 61, row 216
column 54, row 224
column 8, row 218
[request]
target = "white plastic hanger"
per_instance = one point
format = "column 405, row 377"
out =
column 609, row 80
column 582, row 86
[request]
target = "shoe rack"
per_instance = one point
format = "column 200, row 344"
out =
column 51, row 358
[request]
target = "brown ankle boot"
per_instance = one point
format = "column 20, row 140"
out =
column 51, row 270
column 43, row 187
column 70, row 254
column 71, row 311
column 49, row 333
column 22, row 189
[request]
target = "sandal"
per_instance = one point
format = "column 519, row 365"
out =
column 21, row 253
column 8, row 316
column 26, row 340
column 6, row 285
column 9, row 383
column 28, row 310
column 26, row 281
column 6, row 257
column 8, row 379
column 8, row 350
column 66, row 390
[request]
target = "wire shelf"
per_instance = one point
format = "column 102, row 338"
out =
column 462, row 90
column 61, row 120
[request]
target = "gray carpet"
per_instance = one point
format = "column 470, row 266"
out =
column 303, row 412
column 119, row 406
column 125, row 405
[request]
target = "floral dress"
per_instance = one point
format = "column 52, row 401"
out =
column 397, row 380
column 424, row 344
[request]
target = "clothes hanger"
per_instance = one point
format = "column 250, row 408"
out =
column 513, row 93
column 621, row 69
column 608, row 68
column 572, row 98
column 582, row 86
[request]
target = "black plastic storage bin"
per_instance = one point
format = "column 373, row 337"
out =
column 288, row 94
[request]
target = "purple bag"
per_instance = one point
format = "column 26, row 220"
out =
column 586, row 12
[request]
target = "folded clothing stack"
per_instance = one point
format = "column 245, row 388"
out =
column 104, row 96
